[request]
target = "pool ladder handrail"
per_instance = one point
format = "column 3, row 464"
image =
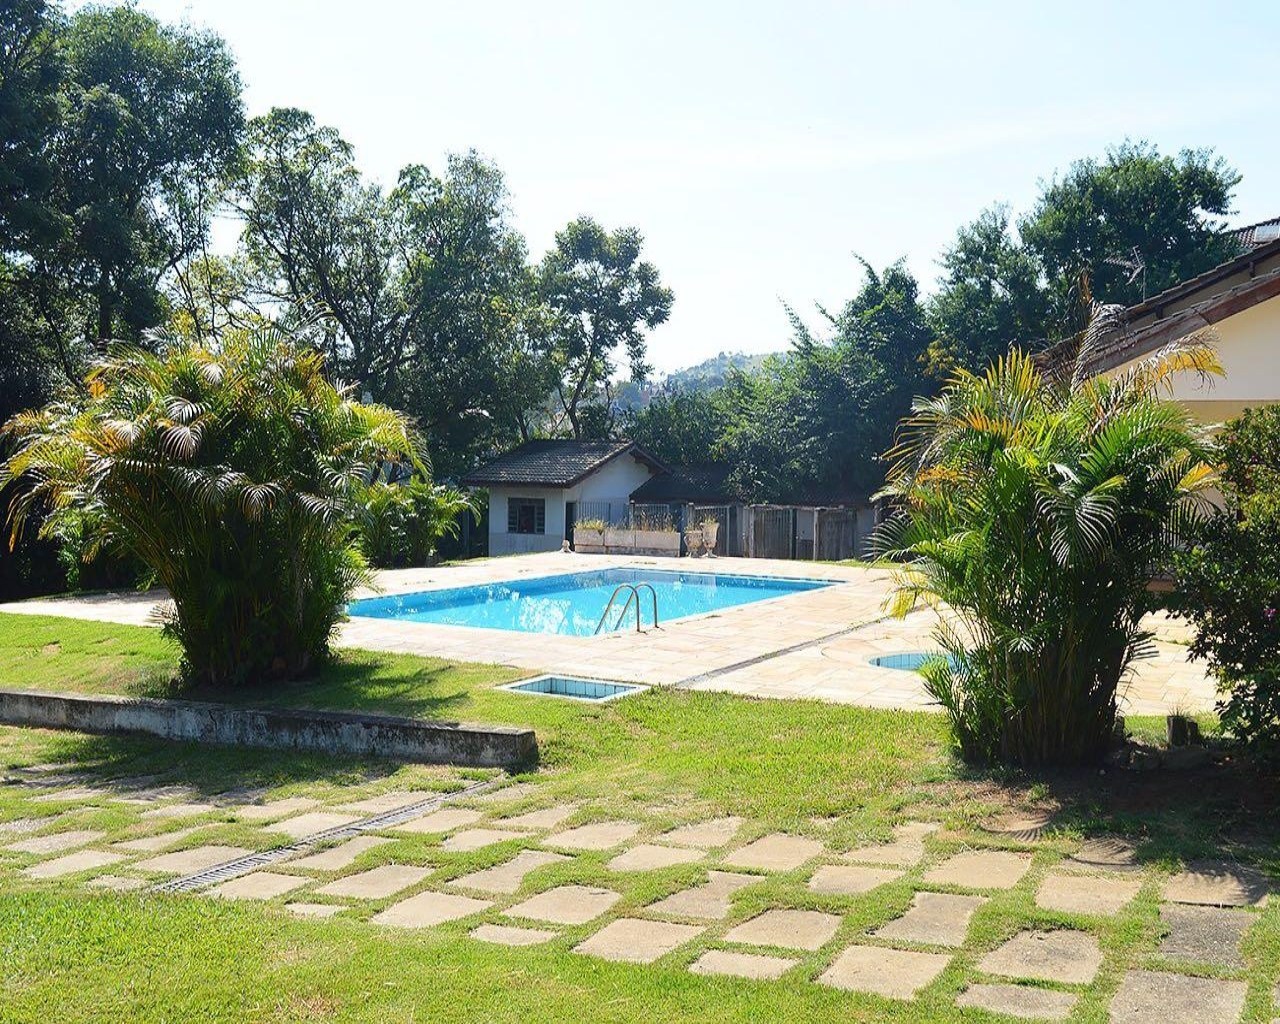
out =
column 634, row 595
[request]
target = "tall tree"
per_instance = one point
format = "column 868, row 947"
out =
column 681, row 425
column 990, row 296
column 603, row 298
column 813, row 425
column 1135, row 223
column 428, row 297
column 153, row 117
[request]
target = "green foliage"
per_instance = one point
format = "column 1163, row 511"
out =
column 1229, row 582
column 680, row 425
column 813, row 425
column 401, row 523
column 1037, row 510
column 429, row 299
column 1118, row 229
column 601, row 297
column 231, row 473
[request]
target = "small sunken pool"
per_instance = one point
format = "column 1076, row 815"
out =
column 574, row 689
column 909, row 661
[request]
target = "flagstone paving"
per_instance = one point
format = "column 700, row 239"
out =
column 156, row 843
column 650, row 857
column 708, row 902
column 567, row 904
column 934, row 919
column 508, row 876
column 1208, row 935
column 1217, row 885
column 704, row 835
column 198, row 858
column 599, row 835
column 275, row 809
column 981, row 869
column 506, row 935
column 892, row 973
column 756, row 966
column 1105, row 853
column 478, row 838
column 1018, row 1001
column 444, row 820
column 906, row 849
column 259, row 885
column 787, row 929
column 1202, row 925
column 377, row 883
column 57, row 842
column 1070, row 957
column 1080, row 894
column 850, row 879
column 546, row 818
column 311, row 823
column 81, row 860
column 1147, row 996
column 639, row 942
column 341, row 856
column 382, row 803
column 318, row 910
column 430, row 908
column 777, row 852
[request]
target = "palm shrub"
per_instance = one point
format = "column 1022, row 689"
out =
column 1036, row 507
column 1229, row 582
column 230, row 472
column 400, row 523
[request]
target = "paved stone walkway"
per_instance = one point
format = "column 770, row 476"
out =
column 733, row 900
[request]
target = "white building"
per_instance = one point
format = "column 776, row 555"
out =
column 1239, row 303
column 539, row 490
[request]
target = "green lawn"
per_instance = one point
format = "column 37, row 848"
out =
column 841, row 775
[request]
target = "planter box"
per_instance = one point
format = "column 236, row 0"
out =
column 588, row 542
column 618, row 539
column 657, row 542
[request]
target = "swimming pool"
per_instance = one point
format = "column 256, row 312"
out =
column 571, row 604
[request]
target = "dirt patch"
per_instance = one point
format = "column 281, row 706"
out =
column 51, row 649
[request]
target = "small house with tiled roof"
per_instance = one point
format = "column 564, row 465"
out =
column 538, row 491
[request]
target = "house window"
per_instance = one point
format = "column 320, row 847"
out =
column 526, row 515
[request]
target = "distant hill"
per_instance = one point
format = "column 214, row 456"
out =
column 711, row 373
column 708, row 374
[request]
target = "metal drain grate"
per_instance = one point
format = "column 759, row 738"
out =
column 243, row 865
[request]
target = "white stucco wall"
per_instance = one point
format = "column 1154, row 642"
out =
column 613, row 482
column 1249, row 350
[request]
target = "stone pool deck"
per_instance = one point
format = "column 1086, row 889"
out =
column 814, row 644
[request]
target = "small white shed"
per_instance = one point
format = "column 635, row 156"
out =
column 539, row 490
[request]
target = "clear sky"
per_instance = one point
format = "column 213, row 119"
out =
column 759, row 146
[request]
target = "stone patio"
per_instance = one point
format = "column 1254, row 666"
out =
column 777, row 852
column 1147, row 996
column 1018, row 1001
column 1069, row 957
column 891, row 973
column 637, row 942
column 821, row 649
column 933, row 919
column 787, row 929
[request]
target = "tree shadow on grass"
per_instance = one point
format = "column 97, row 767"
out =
column 122, row 764
column 1228, row 810
column 427, row 691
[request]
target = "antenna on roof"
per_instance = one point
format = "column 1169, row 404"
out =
column 1135, row 264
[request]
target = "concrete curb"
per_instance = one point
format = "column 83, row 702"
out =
column 329, row 732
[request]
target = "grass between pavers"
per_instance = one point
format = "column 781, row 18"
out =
column 843, row 775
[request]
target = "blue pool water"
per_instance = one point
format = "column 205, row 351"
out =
column 574, row 689
column 909, row 661
column 571, row 604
